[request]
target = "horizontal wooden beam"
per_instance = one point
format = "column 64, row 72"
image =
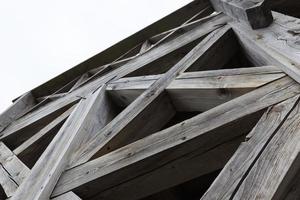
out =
column 197, row 132
column 257, row 13
column 198, row 91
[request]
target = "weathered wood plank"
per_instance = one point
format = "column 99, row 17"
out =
column 68, row 196
column 193, row 133
column 127, row 68
column 47, row 170
column 7, row 183
column 257, row 13
column 276, row 45
column 235, row 170
column 146, row 98
column 178, row 171
column 19, row 107
column 288, row 7
column 197, row 91
column 13, row 171
column 149, row 121
column 30, row 150
column 29, row 124
column 278, row 164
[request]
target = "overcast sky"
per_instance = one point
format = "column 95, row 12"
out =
column 41, row 39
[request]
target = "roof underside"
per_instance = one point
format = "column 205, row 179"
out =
column 200, row 104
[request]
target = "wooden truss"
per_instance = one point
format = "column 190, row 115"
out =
column 201, row 104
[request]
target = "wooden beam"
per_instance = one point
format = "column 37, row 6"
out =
column 276, row 45
column 190, row 166
column 47, row 170
column 146, row 98
column 68, row 196
column 278, row 164
column 12, row 170
column 156, row 53
column 149, row 121
column 30, row 150
column 171, row 21
column 257, row 13
column 171, row 143
column 8, row 185
column 26, row 126
column 236, row 169
column 20, row 106
column 198, row 91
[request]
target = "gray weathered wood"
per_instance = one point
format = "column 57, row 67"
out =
column 7, row 183
column 25, row 126
column 178, row 171
column 68, row 196
column 277, row 165
column 19, row 107
column 198, row 91
column 276, row 45
column 46, row 172
column 192, row 133
column 146, row 98
column 13, row 171
column 235, row 170
column 256, row 12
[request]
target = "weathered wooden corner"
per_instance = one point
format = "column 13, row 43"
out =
column 256, row 12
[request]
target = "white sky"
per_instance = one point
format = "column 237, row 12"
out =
column 41, row 39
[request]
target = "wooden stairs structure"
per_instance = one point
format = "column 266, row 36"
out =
column 203, row 104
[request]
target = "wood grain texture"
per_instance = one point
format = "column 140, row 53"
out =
column 277, row 165
column 195, row 130
column 20, row 106
column 236, row 169
column 7, row 183
column 13, row 171
column 197, row 91
column 29, row 124
column 68, row 196
column 30, row 150
column 257, row 13
column 276, row 45
column 46, row 172
column 146, row 98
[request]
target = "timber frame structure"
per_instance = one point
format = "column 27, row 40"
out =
column 203, row 104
